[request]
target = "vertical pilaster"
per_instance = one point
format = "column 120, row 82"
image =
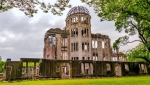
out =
column 100, row 57
column 34, row 68
column 27, row 71
column 58, row 42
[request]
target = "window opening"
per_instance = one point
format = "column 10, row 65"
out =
column 84, row 32
column 83, row 58
column 94, row 44
column 95, row 56
column 108, row 67
column 64, row 69
column 64, row 55
column 126, row 67
column 74, row 32
column 74, row 19
column 52, row 40
column 84, row 19
column 103, row 44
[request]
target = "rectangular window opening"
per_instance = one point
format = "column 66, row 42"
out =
column 85, row 46
column 84, row 32
column 88, row 46
column 88, row 58
column 94, row 44
column 64, row 69
column 126, row 67
column 76, row 32
column 77, row 58
column 82, row 19
column 83, row 58
column 103, row 44
column 108, row 67
column 95, row 56
column 82, row 46
column 64, row 55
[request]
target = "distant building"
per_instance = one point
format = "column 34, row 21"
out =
column 118, row 56
column 75, row 41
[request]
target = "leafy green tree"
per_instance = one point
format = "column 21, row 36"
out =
column 130, row 16
column 29, row 7
column 119, row 54
column 2, row 63
column 116, row 48
column 138, row 53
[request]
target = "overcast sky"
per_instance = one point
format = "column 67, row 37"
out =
column 23, row 37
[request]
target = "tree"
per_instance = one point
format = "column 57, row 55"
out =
column 119, row 54
column 116, row 48
column 2, row 63
column 131, row 16
column 29, row 7
column 138, row 53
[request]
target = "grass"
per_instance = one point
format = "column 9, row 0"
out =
column 139, row 80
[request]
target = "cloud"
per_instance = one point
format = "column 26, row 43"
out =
column 20, row 37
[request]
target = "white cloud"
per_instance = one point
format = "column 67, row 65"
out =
column 2, row 39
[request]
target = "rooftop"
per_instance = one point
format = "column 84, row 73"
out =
column 78, row 9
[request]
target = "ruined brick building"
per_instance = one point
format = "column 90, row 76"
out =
column 75, row 41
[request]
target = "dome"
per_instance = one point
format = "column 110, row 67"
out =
column 78, row 9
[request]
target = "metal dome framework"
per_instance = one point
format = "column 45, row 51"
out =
column 78, row 9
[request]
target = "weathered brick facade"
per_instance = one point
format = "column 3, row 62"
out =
column 75, row 41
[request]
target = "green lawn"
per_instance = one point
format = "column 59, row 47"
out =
column 140, row 80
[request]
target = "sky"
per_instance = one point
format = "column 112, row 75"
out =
column 23, row 37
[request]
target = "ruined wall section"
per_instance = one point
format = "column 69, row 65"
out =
column 56, row 44
column 101, row 49
column 79, row 27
